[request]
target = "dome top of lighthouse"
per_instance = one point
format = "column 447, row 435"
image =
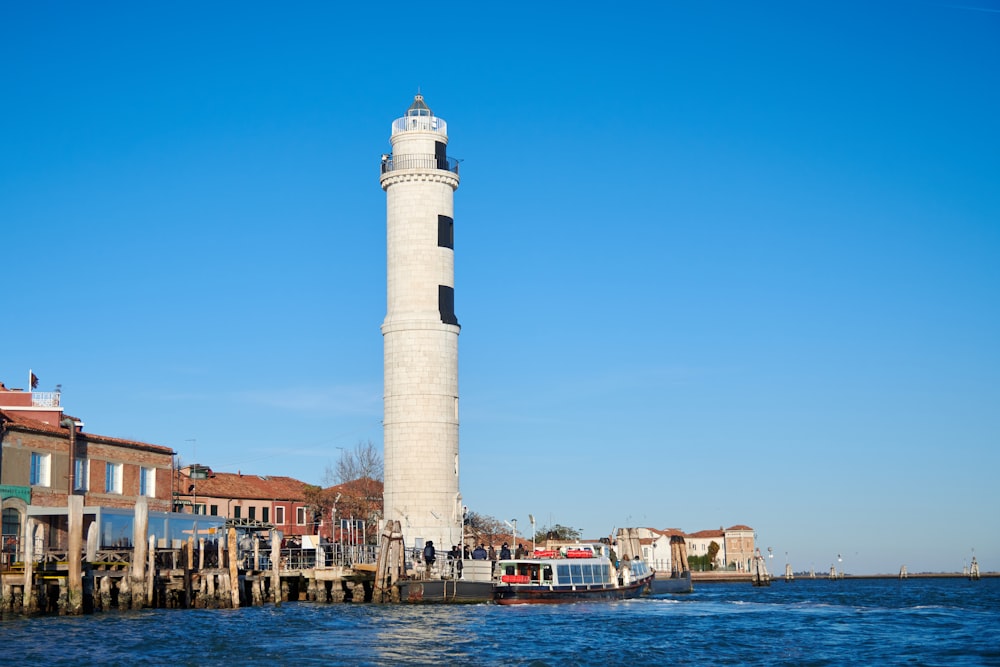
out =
column 419, row 108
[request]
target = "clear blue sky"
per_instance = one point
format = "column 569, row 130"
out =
column 716, row 262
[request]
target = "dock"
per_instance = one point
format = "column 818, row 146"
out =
column 206, row 572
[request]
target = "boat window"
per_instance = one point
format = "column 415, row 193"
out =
column 588, row 574
column 577, row 574
column 563, row 572
column 508, row 569
column 547, row 573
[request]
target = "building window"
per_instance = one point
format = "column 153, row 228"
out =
column 279, row 515
column 147, row 482
column 263, row 514
column 213, row 510
column 40, row 469
column 81, row 474
column 252, row 513
column 113, row 478
column 300, row 516
column 236, row 512
column 11, row 529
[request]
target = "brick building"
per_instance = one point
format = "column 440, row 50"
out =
column 46, row 455
column 264, row 499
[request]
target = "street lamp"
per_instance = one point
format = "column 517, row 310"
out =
column 531, row 518
column 513, row 524
column 840, row 561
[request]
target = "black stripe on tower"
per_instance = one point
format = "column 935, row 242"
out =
column 446, row 304
column 440, row 155
column 446, row 232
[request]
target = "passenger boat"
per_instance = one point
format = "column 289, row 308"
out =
column 571, row 574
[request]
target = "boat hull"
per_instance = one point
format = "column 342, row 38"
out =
column 561, row 594
column 671, row 585
column 445, row 591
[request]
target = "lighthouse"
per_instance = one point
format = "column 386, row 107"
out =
column 420, row 332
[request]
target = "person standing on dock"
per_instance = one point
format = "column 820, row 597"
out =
column 430, row 555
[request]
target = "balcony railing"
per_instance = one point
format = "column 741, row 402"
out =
column 45, row 399
column 427, row 161
column 420, row 124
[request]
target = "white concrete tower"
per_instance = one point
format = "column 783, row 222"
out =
column 420, row 332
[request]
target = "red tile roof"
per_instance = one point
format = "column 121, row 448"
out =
column 20, row 422
column 238, row 485
column 708, row 533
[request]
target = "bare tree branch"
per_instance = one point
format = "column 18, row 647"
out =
column 364, row 461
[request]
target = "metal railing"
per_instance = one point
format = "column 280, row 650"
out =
column 419, row 161
column 291, row 558
column 45, row 399
column 420, row 124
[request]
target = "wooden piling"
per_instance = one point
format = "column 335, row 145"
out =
column 93, row 542
column 140, row 528
column 275, row 565
column 31, row 532
column 234, row 564
column 151, row 570
column 74, row 583
column 124, row 593
column 188, row 563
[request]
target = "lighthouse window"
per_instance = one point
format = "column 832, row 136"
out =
column 446, row 304
column 446, row 232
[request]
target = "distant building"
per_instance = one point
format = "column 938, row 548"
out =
column 736, row 546
column 698, row 544
column 256, row 499
column 739, row 547
column 46, row 456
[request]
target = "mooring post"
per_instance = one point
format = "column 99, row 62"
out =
column 30, row 600
column 234, row 565
column 93, row 542
column 151, row 570
column 74, row 584
column 140, row 528
column 188, row 563
column 201, row 554
column 275, row 564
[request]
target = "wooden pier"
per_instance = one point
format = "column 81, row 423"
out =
column 217, row 574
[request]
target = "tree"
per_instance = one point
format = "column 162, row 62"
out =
column 319, row 501
column 557, row 532
column 362, row 462
column 360, row 500
column 713, row 551
column 484, row 528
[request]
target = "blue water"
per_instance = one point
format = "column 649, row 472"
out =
column 818, row 622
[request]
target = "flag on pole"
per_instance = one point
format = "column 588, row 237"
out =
column 33, row 380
